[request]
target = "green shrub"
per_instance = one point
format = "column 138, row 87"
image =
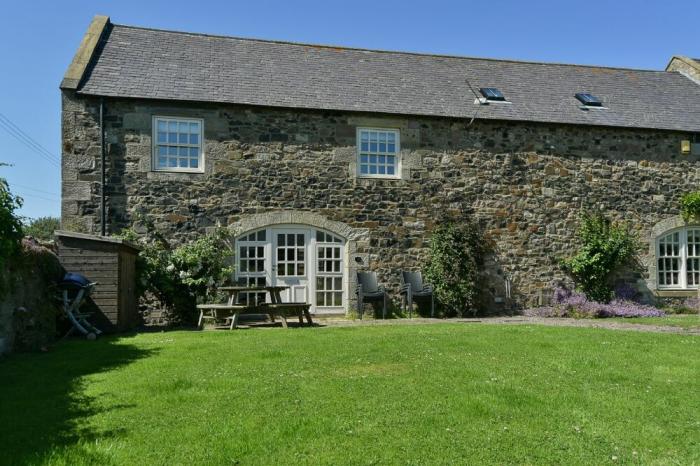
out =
column 605, row 248
column 690, row 206
column 183, row 276
column 10, row 223
column 42, row 228
column 457, row 253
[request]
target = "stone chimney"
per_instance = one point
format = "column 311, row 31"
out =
column 689, row 67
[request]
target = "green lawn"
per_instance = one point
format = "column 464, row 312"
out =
column 688, row 321
column 420, row 394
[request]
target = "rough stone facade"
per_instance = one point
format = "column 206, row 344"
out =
column 526, row 183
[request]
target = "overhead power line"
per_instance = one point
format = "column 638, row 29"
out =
column 32, row 195
column 16, row 132
column 34, row 189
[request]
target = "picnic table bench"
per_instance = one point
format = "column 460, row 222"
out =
column 230, row 311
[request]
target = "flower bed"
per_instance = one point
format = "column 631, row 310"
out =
column 569, row 303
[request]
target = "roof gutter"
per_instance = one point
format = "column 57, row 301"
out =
column 75, row 73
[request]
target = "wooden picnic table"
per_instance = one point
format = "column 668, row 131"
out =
column 276, row 306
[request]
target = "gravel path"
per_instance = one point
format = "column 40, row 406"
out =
column 515, row 320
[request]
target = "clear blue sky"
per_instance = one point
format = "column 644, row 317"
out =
column 38, row 39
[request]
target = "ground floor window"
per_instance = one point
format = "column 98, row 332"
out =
column 678, row 259
column 309, row 262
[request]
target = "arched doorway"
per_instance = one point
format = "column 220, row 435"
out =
column 310, row 261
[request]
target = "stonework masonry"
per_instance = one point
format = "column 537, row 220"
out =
column 525, row 183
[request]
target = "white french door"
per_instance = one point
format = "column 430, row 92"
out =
column 290, row 264
column 310, row 262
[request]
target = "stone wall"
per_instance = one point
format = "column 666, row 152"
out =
column 524, row 182
column 686, row 66
column 28, row 305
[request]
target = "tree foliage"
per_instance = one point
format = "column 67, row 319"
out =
column 457, row 253
column 42, row 228
column 605, row 247
column 10, row 223
column 690, row 206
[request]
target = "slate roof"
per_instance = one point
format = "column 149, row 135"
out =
column 155, row 64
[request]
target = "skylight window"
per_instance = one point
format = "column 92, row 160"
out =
column 492, row 94
column 589, row 100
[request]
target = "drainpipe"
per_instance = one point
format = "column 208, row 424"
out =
column 103, row 150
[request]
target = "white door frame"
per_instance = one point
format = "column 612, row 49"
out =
column 311, row 250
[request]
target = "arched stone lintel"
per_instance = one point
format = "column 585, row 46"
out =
column 266, row 219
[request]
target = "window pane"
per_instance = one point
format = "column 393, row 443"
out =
column 194, row 163
column 194, row 138
column 162, row 125
column 162, row 137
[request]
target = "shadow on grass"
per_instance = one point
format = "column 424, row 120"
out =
column 43, row 409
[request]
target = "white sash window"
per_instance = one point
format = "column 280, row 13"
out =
column 678, row 259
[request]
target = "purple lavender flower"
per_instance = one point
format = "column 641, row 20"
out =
column 568, row 303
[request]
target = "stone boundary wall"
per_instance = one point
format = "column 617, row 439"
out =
column 28, row 305
column 524, row 182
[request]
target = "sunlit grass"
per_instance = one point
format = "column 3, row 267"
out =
column 423, row 394
column 688, row 321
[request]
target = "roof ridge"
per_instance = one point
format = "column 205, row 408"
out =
column 402, row 52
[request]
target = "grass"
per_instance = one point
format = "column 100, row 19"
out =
column 687, row 321
column 423, row 394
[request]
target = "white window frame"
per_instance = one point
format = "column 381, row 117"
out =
column 683, row 251
column 200, row 146
column 397, row 154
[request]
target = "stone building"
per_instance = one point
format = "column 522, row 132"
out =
column 326, row 160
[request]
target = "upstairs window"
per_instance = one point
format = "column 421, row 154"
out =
column 178, row 144
column 678, row 259
column 378, row 153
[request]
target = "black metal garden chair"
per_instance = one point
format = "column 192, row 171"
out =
column 368, row 291
column 412, row 287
